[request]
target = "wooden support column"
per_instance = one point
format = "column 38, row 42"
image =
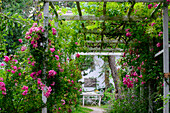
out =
column 104, row 27
column 165, row 55
column 80, row 15
column 45, row 45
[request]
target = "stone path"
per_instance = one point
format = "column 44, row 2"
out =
column 95, row 109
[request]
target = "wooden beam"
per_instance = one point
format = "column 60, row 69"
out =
column 98, row 49
column 101, row 53
column 104, row 41
column 93, row 18
column 105, row 0
column 160, row 52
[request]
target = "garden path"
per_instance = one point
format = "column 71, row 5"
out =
column 95, row 109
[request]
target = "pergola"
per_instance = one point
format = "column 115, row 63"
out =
column 113, row 51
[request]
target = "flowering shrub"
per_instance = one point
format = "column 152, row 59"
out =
column 33, row 71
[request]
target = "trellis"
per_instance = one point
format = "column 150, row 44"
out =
column 125, row 18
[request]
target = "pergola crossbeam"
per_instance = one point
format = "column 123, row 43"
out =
column 94, row 18
column 104, row 41
column 101, row 53
column 160, row 52
column 98, row 49
column 105, row 0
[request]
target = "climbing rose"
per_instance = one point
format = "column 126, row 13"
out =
column 57, row 57
column 143, row 82
column 149, row 6
column 47, row 94
column 25, row 88
column 152, row 24
column 4, row 93
column 34, row 24
column 12, row 71
column 39, row 72
column 52, row 49
column 80, row 90
column 127, row 76
column 128, row 34
column 1, row 79
column 77, row 55
column 6, row 58
column 127, row 30
column 2, row 88
column 20, row 40
column 15, row 67
column 53, row 84
column 140, row 76
column 63, row 102
column 51, row 73
column 54, row 31
column 158, row 44
column 32, row 74
column 27, row 37
column 155, row 5
column 23, row 48
column 19, row 74
column 2, row 64
column 25, row 92
column 124, row 54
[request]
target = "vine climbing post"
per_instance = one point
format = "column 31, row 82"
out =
column 45, row 45
column 165, row 55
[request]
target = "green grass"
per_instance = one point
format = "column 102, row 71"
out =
column 104, row 106
column 82, row 110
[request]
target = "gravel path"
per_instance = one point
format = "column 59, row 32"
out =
column 95, row 109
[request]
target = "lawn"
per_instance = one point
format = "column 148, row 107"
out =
column 82, row 110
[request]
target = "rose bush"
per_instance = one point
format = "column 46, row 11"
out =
column 38, row 68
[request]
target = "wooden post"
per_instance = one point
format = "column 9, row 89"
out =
column 165, row 55
column 99, row 100
column 45, row 45
column 83, row 100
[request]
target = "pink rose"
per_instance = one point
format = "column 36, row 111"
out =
column 6, row 58
column 77, row 55
column 54, row 31
column 128, row 34
column 23, row 48
column 158, row 44
column 52, row 49
column 20, row 40
column 57, row 57
column 2, row 64
column 149, row 6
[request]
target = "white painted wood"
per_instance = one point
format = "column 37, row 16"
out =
column 92, row 94
column 99, row 100
column 83, row 100
column 93, row 18
column 106, row 0
column 98, row 49
column 165, row 56
column 45, row 25
column 105, row 41
column 160, row 52
column 101, row 53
